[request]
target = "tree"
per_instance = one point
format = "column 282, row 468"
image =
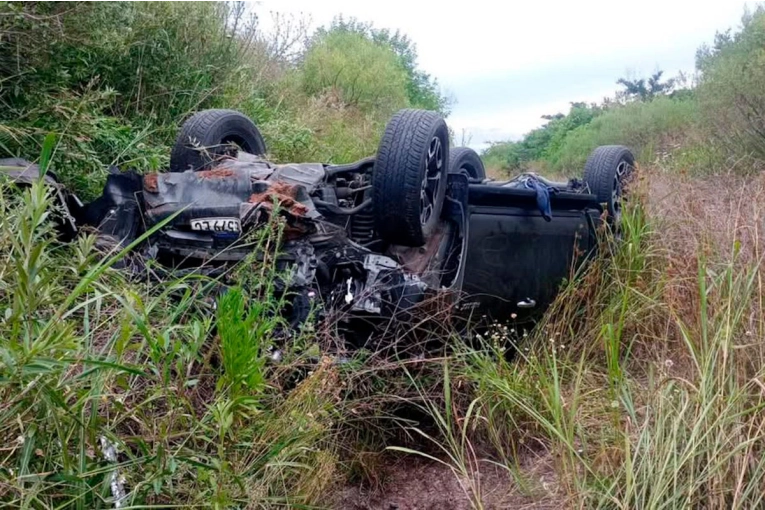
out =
column 422, row 90
column 730, row 89
column 539, row 143
column 643, row 89
column 363, row 73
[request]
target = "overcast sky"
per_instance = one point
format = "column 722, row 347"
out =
column 507, row 63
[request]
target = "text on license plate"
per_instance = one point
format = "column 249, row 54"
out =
column 216, row 224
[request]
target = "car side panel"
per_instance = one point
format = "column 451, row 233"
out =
column 516, row 261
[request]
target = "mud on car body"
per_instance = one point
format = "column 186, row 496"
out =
column 371, row 239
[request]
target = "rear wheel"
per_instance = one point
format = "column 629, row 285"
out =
column 409, row 179
column 606, row 172
column 211, row 134
column 467, row 160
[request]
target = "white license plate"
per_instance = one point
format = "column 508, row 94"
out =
column 216, row 224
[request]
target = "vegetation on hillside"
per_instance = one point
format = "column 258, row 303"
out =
column 702, row 126
column 114, row 80
column 642, row 388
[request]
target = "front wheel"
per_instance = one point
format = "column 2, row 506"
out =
column 409, row 177
column 606, row 172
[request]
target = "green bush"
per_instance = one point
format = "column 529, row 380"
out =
column 422, row 90
column 565, row 142
column 540, row 142
column 641, row 126
column 161, row 59
column 731, row 92
column 114, row 79
column 362, row 72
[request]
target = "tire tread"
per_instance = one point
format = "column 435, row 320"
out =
column 600, row 169
column 194, row 130
column 397, row 180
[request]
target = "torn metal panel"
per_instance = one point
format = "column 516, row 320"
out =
column 307, row 175
column 198, row 188
column 233, row 189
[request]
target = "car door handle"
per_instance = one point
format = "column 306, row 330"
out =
column 527, row 303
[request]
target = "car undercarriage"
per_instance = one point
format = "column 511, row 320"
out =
column 372, row 239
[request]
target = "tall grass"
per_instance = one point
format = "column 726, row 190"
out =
column 88, row 353
column 643, row 386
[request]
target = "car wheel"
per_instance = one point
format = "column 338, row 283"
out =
column 468, row 160
column 606, row 172
column 210, row 134
column 409, row 178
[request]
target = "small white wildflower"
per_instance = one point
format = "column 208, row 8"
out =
column 669, row 363
column 615, row 404
column 20, row 440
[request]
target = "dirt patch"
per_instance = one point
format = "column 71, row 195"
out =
column 414, row 483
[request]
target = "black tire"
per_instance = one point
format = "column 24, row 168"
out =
column 465, row 158
column 606, row 172
column 210, row 134
column 409, row 178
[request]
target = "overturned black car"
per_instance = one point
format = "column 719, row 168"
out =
column 372, row 238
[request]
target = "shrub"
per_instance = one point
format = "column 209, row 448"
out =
column 641, row 126
column 422, row 90
column 540, row 142
column 161, row 59
column 730, row 91
column 363, row 73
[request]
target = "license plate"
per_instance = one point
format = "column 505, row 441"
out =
column 216, row 224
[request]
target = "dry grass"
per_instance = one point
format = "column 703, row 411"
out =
column 642, row 388
column 644, row 383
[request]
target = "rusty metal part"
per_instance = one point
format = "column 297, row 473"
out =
column 150, row 183
column 219, row 172
column 285, row 195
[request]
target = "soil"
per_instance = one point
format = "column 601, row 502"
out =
column 414, row 483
